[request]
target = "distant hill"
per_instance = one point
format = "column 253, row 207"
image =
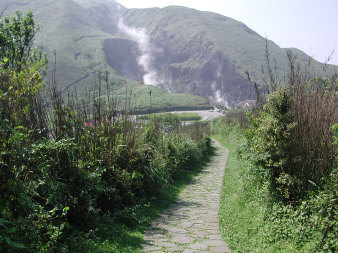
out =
column 175, row 48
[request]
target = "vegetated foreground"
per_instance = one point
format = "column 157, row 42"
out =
column 280, row 189
column 80, row 176
column 66, row 168
column 191, row 224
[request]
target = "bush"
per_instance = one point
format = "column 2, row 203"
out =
column 270, row 138
column 66, row 165
column 289, row 145
column 262, row 225
column 291, row 139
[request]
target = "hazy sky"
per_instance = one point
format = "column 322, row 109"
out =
column 310, row 25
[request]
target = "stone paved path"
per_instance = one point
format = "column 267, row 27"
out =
column 191, row 225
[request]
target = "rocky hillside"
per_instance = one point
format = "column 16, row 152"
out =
column 175, row 48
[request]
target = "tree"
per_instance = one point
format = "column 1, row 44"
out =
column 16, row 41
column 22, row 69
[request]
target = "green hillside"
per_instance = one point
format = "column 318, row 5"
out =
column 188, row 51
column 65, row 29
column 77, row 41
column 199, row 39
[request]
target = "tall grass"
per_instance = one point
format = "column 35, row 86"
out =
column 251, row 222
column 291, row 132
column 67, row 162
column 291, row 169
column 315, row 111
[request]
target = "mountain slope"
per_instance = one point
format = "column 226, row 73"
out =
column 175, row 48
column 67, row 31
column 76, row 34
column 208, row 53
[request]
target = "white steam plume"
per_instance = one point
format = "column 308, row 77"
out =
column 219, row 99
column 139, row 35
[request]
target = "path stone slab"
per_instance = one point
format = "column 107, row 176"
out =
column 191, row 224
column 220, row 249
column 182, row 239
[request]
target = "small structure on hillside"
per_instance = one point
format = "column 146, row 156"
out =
column 246, row 104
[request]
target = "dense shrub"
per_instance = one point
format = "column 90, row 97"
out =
column 291, row 138
column 293, row 165
column 262, row 224
column 65, row 165
column 270, row 137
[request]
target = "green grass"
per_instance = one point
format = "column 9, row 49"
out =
column 185, row 116
column 244, row 216
column 145, row 98
column 241, row 210
column 189, row 116
column 126, row 234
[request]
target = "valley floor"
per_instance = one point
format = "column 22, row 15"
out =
column 191, row 224
column 205, row 114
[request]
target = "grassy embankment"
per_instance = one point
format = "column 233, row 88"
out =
column 87, row 181
column 251, row 220
column 242, row 207
column 185, row 116
column 148, row 98
column 280, row 186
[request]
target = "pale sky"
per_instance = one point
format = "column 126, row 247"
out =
column 310, row 25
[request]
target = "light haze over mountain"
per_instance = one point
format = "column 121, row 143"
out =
column 175, row 48
column 304, row 24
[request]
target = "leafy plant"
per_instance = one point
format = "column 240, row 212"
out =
column 16, row 41
column 65, row 165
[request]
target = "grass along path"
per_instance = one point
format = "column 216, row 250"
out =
column 191, row 224
column 126, row 235
column 242, row 207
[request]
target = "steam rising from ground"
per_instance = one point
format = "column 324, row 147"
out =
column 139, row 35
column 147, row 58
column 218, row 98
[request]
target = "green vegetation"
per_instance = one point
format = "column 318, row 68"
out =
column 185, row 116
column 243, row 206
column 280, row 189
column 189, row 116
column 113, row 235
column 193, row 40
column 72, row 171
column 148, row 98
column 80, row 175
column 78, row 51
column 251, row 222
column 80, row 56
